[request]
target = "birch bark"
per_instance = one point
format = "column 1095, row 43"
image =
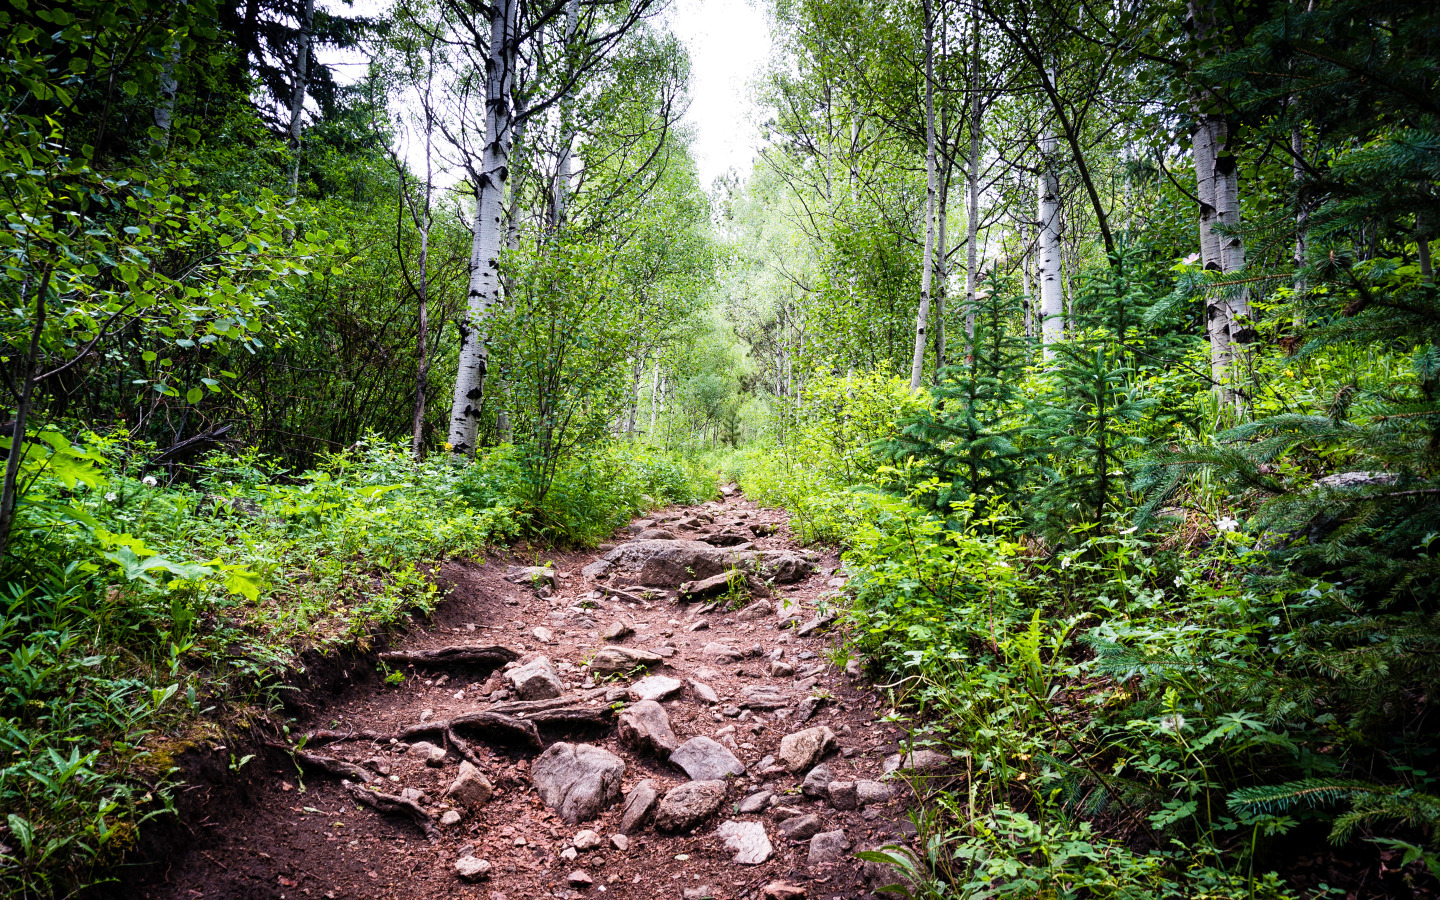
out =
column 1052, row 300
column 922, row 316
column 297, row 96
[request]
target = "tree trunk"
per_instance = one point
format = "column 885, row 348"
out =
column 9, row 491
column 560, row 193
column 1052, row 300
column 972, row 224
column 297, row 95
column 164, row 114
column 484, row 292
column 942, row 273
column 922, row 316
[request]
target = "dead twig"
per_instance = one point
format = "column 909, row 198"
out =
column 462, row 655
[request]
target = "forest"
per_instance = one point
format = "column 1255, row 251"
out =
column 1100, row 339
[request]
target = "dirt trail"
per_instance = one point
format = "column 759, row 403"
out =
column 305, row 836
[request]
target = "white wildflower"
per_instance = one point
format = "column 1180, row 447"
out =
column 1225, row 523
column 111, row 497
column 149, row 481
column 1172, row 724
column 1131, row 530
column 1065, row 562
column 1179, row 581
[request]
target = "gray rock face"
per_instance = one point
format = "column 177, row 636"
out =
column 718, row 653
column 683, row 807
column 655, row 687
column 704, row 692
column 843, row 795
column 471, row 868
column 814, row 625
column 577, row 781
column 432, row 755
column 616, row 631
column 704, row 759
column 803, row 749
column 621, row 660
column 755, row 803
column 471, row 789
column 763, row 696
column 531, row 575
column 817, row 783
column 645, row 727
column 869, row 792
column 760, row 609
column 595, row 570
column 655, row 534
column 800, row 828
column 747, row 840
column 664, row 563
column 917, row 761
column 638, row 804
column 828, row 847
column 536, row 680
column 708, row 588
column 780, row 566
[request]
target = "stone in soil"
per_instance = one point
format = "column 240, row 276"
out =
column 780, row 566
column 536, row 680
column 800, row 828
column 616, row 631
column 620, row 842
column 918, row 761
column 763, row 697
column 655, row 687
column 621, row 661
column 638, row 803
column 645, row 727
column 708, row 588
column 586, row 840
column 755, row 802
column 747, row 840
column 868, row 792
column 471, row 868
column 814, row 625
column 803, row 749
column 577, row 781
column 532, row 575
column 843, row 795
column 705, row 759
column 716, row 652
column 471, row 789
column 817, row 782
column 580, row 879
column 543, row 634
column 685, row 806
column 668, row 563
column 782, row 890
column 450, row 819
column 760, row 609
column 828, row 847
column 655, row 534
column 704, row 692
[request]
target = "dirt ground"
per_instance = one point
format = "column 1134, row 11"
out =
column 303, row 836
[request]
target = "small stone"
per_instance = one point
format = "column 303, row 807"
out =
column 580, row 879
column 470, row 788
column 638, row 803
column 747, row 840
column 414, row 795
column 755, row 802
column 471, row 868
column 586, row 840
column 569, row 854
column 619, row 842
column 828, row 847
column 434, row 756
column 577, row 781
column 716, row 652
column 760, row 609
column 918, row 761
column 868, row 792
column 782, row 890
column 543, row 634
column 621, row 661
column 731, row 711
column 817, row 782
column 697, row 626
column 704, row 692
column 616, row 631
column 700, row 893
column 655, row 687
column 781, row 670
column 843, row 795
column 450, row 818
column 536, row 576
column 426, row 714
column 686, row 805
column 704, row 759
column 852, row 668
column 536, row 680
column 801, row 750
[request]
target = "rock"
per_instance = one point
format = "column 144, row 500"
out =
column 780, row 669
column 586, row 840
column 800, row 828
column 760, row 609
column 697, row 626
column 843, row 795
column 801, row 750
column 709, row 588
column 580, row 879
column 471, row 789
column 728, row 537
column 755, row 803
column 638, row 804
column 916, row 761
column 685, row 806
column 450, row 819
column 805, row 709
column 616, row 631
column 415, row 795
column 716, row 652
column 782, row 890
column 424, row 750
column 747, row 840
column 577, row 781
column 535, row 576
column 704, row 892
column 536, row 680
column 704, row 692
column 655, row 687
column 780, row 566
column 621, row 661
column 655, row 534
column 763, row 696
column 595, row 570
column 703, row 759
column 781, row 813
column 828, row 847
column 852, row 668
column 620, row 842
column 645, row 727
column 817, row 782
column 543, row 634
column 868, row 792
column 669, row 563
column 814, row 625
column 471, row 868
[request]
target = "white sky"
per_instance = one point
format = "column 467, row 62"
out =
column 729, row 45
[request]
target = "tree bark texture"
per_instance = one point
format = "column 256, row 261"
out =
column 922, row 315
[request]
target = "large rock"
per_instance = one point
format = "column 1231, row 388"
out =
column 729, row 537
column 917, row 761
column 536, row 680
column 638, row 803
column 683, row 807
column 471, row 789
column 803, row 749
column 655, row 687
column 828, row 847
column 747, row 840
column 645, row 727
column 655, row 534
column 577, row 781
column 621, row 661
column 868, row 792
column 779, row 566
column 669, row 563
column 763, row 696
column 716, row 652
column 704, row 759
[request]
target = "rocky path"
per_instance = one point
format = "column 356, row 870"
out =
column 667, row 719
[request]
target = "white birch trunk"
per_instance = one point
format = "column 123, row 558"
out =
column 1052, row 300
column 972, row 226
column 164, row 113
column 560, row 194
column 942, row 274
column 297, row 95
column 922, row 315
column 484, row 292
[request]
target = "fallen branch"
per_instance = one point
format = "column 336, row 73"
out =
column 391, row 805
column 337, row 767
column 465, row 655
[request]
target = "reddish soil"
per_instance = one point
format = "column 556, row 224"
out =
column 300, row 835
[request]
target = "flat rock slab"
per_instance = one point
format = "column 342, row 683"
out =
column 655, row 687
column 532, row 575
column 828, row 847
column 609, row 661
column 705, row 759
column 803, row 749
column 747, row 840
column 638, row 804
column 764, row 697
column 645, row 727
column 685, row 806
column 577, row 781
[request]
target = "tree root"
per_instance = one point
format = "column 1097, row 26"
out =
column 391, row 805
column 463, row 655
column 333, row 766
column 463, row 748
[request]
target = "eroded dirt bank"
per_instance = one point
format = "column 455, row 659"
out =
column 754, row 770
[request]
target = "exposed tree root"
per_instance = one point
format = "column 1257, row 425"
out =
column 391, row 805
column 330, row 764
column 464, row 655
column 463, row 748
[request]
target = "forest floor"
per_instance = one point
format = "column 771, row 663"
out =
column 302, row 834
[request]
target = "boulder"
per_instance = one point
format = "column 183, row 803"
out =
column 843, row 794
column 664, row 563
column 728, row 537
column 621, row 661
column 803, row 749
column 655, row 534
column 916, row 761
column 471, row 789
column 536, row 680
column 684, row 807
column 638, row 803
column 577, row 781
column 645, row 727
column 596, row 569
column 747, row 840
column 868, row 792
column 655, row 687
column 817, row 782
column 704, row 759
column 779, row 566
column 828, row 847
